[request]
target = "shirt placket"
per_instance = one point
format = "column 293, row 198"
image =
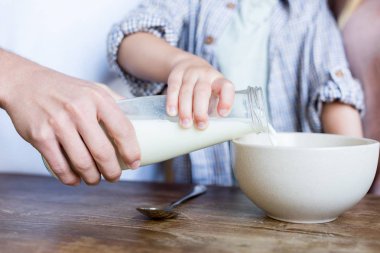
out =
column 209, row 33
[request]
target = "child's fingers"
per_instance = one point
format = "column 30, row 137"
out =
column 202, row 94
column 226, row 92
column 174, row 85
column 185, row 99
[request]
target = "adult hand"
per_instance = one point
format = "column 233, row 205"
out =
column 61, row 116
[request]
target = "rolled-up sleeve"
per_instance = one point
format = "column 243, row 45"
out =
column 341, row 87
column 331, row 78
column 164, row 19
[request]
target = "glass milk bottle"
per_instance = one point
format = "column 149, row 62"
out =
column 161, row 137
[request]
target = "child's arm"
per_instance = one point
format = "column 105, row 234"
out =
column 339, row 118
column 191, row 80
column 336, row 98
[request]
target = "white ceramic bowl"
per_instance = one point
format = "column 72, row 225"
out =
column 306, row 178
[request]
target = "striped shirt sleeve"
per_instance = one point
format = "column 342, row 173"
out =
column 331, row 79
column 164, row 19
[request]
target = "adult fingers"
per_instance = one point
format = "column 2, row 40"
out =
column 76, row 151
column 110, row 92
column 226, row 92
column 57, row 162
column 121, row 131
column 101, row 149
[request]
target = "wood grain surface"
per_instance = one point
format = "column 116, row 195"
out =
column 38, row 214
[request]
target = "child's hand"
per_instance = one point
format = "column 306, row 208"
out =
column 191, row 82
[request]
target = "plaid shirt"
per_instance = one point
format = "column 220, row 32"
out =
column 307, row 65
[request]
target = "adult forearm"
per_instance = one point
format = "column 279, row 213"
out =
column 339, row 118
column 10, row 66
column 148, row 57
column 15, row 72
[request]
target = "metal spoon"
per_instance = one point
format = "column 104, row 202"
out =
column 169, row 212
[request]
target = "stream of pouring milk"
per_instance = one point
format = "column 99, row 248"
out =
column 272, row 135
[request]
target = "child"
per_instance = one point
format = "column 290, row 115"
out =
column 193, row 48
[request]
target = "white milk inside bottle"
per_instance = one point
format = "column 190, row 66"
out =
column 160, row 136
column 160, row 140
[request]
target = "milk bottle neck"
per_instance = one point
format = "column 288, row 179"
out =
column 257, row 108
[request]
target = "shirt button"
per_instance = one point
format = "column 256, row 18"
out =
column 209, row 40
column 231, row 6
column 339, row 73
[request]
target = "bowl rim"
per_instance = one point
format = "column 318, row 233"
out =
column 366, row 142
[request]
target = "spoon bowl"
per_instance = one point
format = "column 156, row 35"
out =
column 157, row 213
column 168, row 212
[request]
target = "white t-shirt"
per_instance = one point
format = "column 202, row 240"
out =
column 65, row 35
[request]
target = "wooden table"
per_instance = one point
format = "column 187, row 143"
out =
column 37, row 214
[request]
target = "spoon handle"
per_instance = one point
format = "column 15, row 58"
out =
column 198, row 190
